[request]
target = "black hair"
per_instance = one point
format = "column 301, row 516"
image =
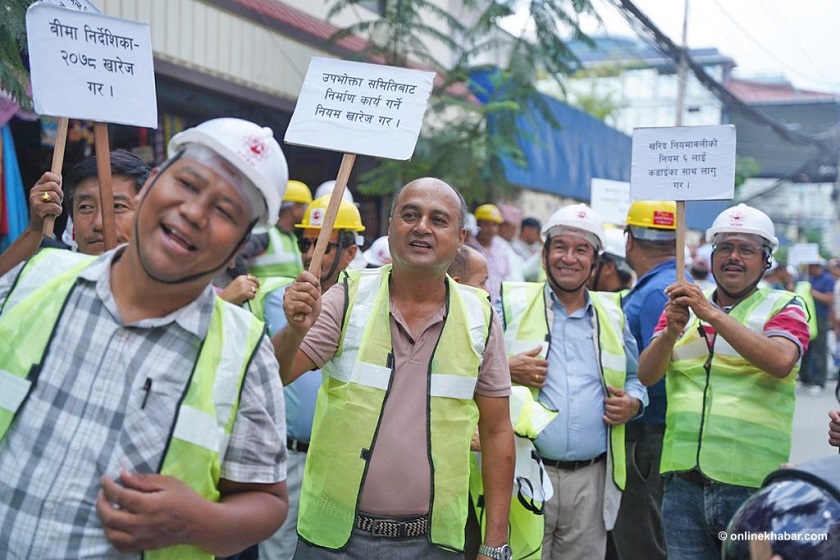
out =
column 123, row 164
column 530, row 222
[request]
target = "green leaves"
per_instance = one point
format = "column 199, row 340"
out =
column 465, row 142
column 14, row 77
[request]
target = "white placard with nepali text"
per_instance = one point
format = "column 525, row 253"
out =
column 90, row 66
column 359, row 108
column 804, row 253
column 81, row 5
column 683, row 163
column 611, row 200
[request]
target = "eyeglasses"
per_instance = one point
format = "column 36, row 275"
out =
column 305, row 243
column 746, row 251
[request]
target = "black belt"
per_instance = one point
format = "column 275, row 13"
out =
column 573, row 465
column 393, row 527
column 297, row 445
column 696, row 477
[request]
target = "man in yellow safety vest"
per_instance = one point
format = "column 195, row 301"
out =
column 729, row 357
column 411, row 363
column 140, row 413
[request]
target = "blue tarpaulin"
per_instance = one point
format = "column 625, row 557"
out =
column 564, row 161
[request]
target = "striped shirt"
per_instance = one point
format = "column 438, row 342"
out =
column 82, row 419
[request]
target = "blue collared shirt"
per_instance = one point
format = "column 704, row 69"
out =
column 643, row 306
column 574, row 387
column 302, row 393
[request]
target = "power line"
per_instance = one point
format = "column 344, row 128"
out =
column 781, row 20
column 827, row 140
column 754, row 41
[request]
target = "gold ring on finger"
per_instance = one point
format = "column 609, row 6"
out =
column 46, row 197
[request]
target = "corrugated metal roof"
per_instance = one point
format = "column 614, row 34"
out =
column 317, row 28
column 776, row 90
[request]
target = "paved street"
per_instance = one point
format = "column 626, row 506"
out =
column 810, row 425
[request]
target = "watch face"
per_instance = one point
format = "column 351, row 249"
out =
column 507, row 553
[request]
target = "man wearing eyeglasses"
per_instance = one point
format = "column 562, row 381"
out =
column 301, row 394
column 730, row 359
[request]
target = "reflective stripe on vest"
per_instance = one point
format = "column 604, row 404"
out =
column 353, row 392
column 281, row 257
column 527, row 326
column 208, row 410
column 734, row 405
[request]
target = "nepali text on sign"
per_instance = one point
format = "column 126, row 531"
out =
column 360, row 108
column 683, row 163
column 90, row 66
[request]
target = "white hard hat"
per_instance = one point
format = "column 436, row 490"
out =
column 471, row 224
column 615, row 243
column 379, row 253
column 579, row 217
column 744, row 219
column 326, row 189
column 251, row 149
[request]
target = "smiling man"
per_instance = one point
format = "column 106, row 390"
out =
column 729, row 357
column 79, row 192
column 411, row 361
column 574, row 349
column 143, row 414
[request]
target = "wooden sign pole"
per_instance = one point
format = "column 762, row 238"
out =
column 680, row 239
column 329, row 218
column 57, row 164
column 332, row 211
column 106, row 193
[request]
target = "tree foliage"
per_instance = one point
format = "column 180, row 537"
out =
column 464, row 141
column 14, row 77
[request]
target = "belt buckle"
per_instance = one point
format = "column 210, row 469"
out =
column 380, row 528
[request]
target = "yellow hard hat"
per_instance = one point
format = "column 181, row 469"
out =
column 658, row 214
column 348, row 216
column 297, row 191
column 488, row 212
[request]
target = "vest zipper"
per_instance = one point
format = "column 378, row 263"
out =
column 707, row 365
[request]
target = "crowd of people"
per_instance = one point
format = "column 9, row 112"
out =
column 474, row 385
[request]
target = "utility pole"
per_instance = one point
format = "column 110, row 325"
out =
column 682, row 69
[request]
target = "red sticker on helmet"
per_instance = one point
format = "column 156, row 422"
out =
column 316, row 217
column 661, row 218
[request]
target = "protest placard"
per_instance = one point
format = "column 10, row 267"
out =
column 80, row 5
column 683, row 163
column 804, row 253
column 611, row 200
column 360, row 108
column 357, row 108
column 91, row 66
column 88, row 66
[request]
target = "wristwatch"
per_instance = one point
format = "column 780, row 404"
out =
column 496, row 552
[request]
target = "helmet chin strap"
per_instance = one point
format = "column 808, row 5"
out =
column 745, row 291
column 135, row 239
column 553, row 281
column 334, row 265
